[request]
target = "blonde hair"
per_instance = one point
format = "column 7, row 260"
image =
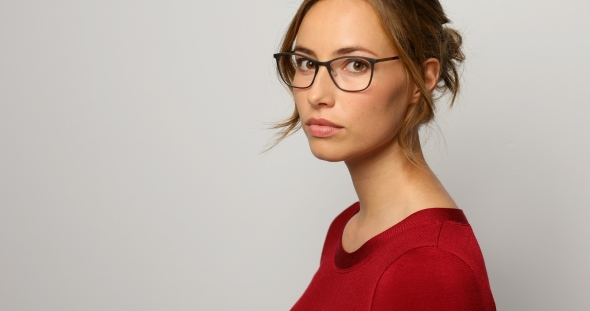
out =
column 417, row 30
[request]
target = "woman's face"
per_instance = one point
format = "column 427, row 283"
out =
column 367, row 122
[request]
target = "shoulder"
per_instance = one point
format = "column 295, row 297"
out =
column 449, row 275
column 336, row 228
column 340, row 221
column 346, row 214
column 429, row 278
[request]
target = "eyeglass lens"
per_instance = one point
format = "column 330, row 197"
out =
column 350, row 74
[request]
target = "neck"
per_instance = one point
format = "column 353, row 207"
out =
column 390, row 187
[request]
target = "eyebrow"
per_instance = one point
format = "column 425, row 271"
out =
column 339, row 52
column 304, row 50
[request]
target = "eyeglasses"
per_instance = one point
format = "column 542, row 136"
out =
column 349, row 73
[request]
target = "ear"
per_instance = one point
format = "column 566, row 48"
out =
column 431, row 68
column 431, row 72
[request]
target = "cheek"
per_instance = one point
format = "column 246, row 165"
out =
column 298, row 98
column 382, row 114
column 302, row 109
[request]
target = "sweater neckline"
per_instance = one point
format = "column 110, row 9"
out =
column 345, row 260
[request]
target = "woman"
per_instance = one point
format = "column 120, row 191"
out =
column 362, row 74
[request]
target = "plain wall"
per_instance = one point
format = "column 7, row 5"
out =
column 131, row 176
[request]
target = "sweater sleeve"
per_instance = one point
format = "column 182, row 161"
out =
column 428, row 278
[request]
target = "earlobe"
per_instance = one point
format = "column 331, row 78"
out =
column 416, row 94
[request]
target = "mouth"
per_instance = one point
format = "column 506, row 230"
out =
column 322, row 127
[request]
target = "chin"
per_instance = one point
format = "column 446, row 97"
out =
column 328, row 152
column 328, row 157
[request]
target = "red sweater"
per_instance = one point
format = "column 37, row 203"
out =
column 428, row 261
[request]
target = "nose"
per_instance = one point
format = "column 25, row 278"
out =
column 321, row 92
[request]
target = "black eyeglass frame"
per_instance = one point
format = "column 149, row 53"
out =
column 327, row 64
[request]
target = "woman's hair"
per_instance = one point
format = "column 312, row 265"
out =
column 416, row 30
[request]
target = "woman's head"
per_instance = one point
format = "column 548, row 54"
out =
column 399, row 98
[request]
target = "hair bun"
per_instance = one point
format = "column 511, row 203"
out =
column 451, row 57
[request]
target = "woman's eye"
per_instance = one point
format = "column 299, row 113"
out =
column 356, row 65
column 305, row 64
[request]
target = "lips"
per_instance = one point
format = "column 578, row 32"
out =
column 322, row 122
column 322, row 127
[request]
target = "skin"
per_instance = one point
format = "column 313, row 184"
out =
column 388, row 185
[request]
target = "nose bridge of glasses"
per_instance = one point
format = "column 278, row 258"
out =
column 327, row 65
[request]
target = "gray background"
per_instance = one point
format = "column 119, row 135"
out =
column 131, row 179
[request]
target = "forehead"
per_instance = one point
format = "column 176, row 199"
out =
column 331, row 25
